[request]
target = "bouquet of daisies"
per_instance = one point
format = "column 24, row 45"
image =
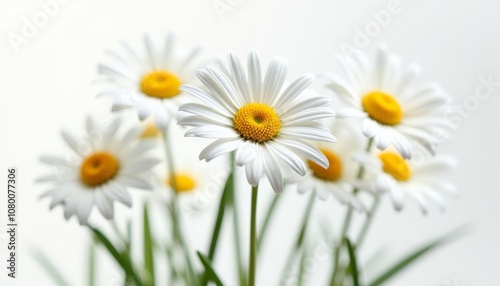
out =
column 370, row 135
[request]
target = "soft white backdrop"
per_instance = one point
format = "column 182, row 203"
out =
column 45, row 86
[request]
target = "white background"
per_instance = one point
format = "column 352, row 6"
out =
column 46, row 85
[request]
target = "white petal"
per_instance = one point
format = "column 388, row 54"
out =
column 272, row 171
column 118, row 193
column 402, row 144
column 161, row 118
column 53, row 160
column 135, row 182
column 169, row 49
column 293, row 90
column 239, row 77
column 246, row 153
column 309, row 115
column 72, row 142
column 254, row 76
column 201, row 95
column 370, row 127
column 304, row 149
column 290, row 158
column 219, row 147
column 254, row 170
column 309, row 133
column 104, row 205
column 305, row 104
column 211, row 131
column 226, row 85
column 131, row 135
column 205, row 111
column 217, row 90
column 197, row 121
column 146, row 108
column 274, row 79
column 84, row 207
column 140, row 166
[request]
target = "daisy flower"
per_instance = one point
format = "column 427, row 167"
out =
column 394, row 111
column 424, row 182
column 340, row 178
column 149, row 81
column 102, row 168
column 196, row 184
column 258, row 118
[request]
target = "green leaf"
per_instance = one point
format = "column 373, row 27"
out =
column 353, row 265
column 48, row 266
column 209, row 271
column 412, row 257
column 148, row 247
column 122, row 259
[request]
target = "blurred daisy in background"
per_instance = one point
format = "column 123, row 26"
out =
column 149, row 80
column 101, row 168
column 197, row 185
column 341, row 176
column 258, row 118
column 425, row 182
column 394, row 110
column 149, row 130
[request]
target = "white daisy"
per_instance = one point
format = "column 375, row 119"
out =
column 99, row 172
column 341, row 177
column 393, row 109
column 258, row 118
column 197, row 185
column 149, row 80
column 424, row 182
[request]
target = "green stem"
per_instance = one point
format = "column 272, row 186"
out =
column 300, row 238
column 253, row 237
column 347, row 223
column 267, row 219
column 367, row 223
column 237, row 236
column 225, row 200
column 174, row 210
column 227, row 193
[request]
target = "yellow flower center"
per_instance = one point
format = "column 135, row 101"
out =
column 382, row 107
column 334, row 171
column 257, row 122
column 150, row 131
column 160, row 84
column 183, row 183
column 98, row 168
column 394, row 165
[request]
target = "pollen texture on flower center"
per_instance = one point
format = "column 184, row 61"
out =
column 334, row 171
column 382, row 107
column 98, row 168
column 160, row 84
column 183, row 183
column 257, row 122
column 394, row 165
